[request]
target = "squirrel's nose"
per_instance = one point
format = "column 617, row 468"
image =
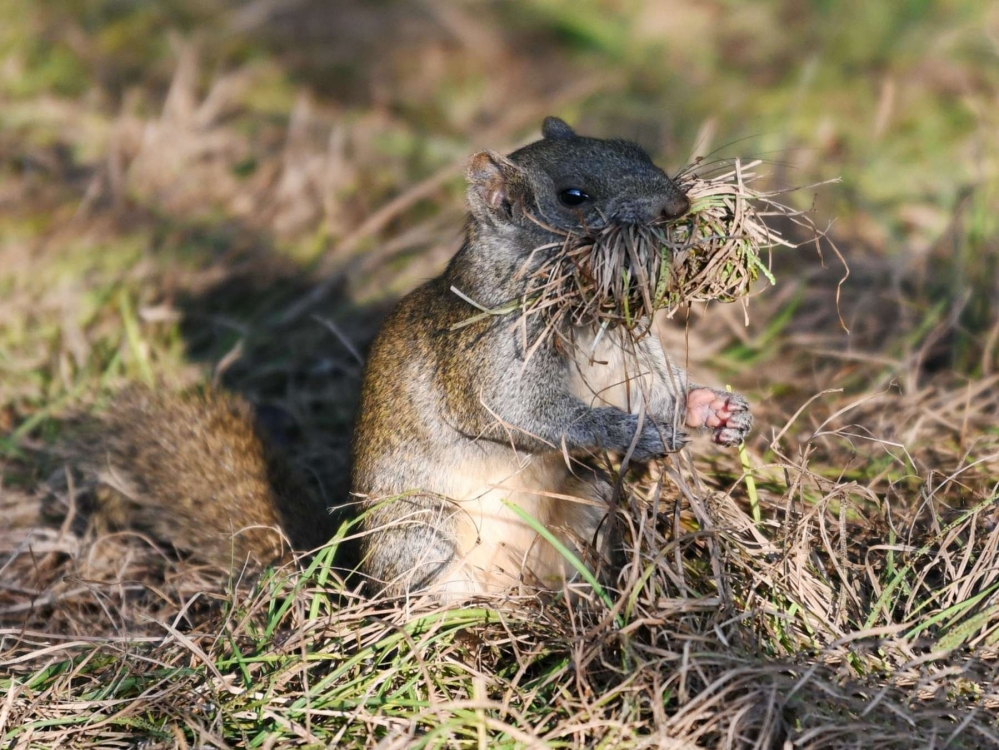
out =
column 650, row 202
column 676, row 205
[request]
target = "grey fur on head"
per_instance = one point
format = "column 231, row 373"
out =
column 616, row 181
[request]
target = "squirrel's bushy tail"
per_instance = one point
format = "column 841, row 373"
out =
column 195, row 471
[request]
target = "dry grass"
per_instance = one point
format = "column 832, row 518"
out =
column 843, row 619
column 246, row 229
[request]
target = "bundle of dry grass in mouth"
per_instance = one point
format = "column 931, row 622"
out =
column 622, row 274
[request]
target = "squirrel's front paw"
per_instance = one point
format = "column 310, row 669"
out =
column 657, row 440
column 726, row 414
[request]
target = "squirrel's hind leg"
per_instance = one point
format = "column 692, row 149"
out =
column 411, row 544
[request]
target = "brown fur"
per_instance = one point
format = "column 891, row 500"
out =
column 195, row 471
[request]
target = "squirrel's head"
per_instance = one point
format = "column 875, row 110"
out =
column 571, row 184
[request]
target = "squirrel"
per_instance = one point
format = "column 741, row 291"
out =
column 463, row 418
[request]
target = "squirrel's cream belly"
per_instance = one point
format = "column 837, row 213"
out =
column 612, row 369
column 499, row 549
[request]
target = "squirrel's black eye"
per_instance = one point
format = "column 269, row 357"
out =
column 573, row 197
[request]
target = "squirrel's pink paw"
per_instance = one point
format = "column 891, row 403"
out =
column 726, row 414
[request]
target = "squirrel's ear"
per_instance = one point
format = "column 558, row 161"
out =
column 489, row 182
column 554, row 127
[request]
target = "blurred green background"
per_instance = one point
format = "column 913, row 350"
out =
column 186, row 184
